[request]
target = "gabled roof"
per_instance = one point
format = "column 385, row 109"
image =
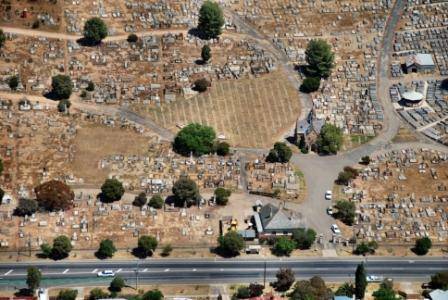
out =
column 421, row 59
column 273, row 218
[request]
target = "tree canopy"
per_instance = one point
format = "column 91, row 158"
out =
column 111, row 190
column 314, row 288
column 211, row 19
column 222, row 195
column 222, row 148
column 152, row 295
column 117, row 284
column 283, row 246
column 2, row 38
column 61, row 247
column 201, row 85
column 360, row 281
column 304, row 238
column 95, row 30
column 385, row 292
column 67, row 294
column 422, row 246
column 329, row 140
column 61, row 87
column 13, row 82
column 140, row 200
column 346, row 289
column 230, row 244
column 310, row 84
column 196, row 139
column 285, row 278
column 97, row 293
column 26, row 207
column 366, row 247
column 206, row 53
column 345, row 211
column 186, row 192
column 280, row 153
column 320, row 58
column 440, row 280
column 33, row 278
column 106, row 249
column 147, row 244
column 54, row 195
column 156, row 202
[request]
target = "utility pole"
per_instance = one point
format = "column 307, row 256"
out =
column 136, row 275
column 264, row 276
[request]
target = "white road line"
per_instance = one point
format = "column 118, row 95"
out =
column 145, row 270
column 65, row 272
column 194, row 270
column 9, row 272
column 119, row 270
column 167, row 270
column 94, row 271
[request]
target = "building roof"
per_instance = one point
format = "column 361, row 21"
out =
column 421, row 59
column 412, row 96
column 342, row 298
column 438, row 295
column 274, row 218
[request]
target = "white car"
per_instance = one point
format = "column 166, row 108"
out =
column 106, row 273
column 330, row 210
column 335, row 229
column 374, row 278
column 328, row 195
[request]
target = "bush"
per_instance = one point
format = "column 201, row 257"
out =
column 283, row 246
column 365, row 248
column 95, row 30
column 33, row 278
column 201, row 85
column 345, row 176
column 314, row 288
column 147, row 245
column 329, row 140
column 194, row 138
column 243, row 292
column 222, row 148
column 156, row 202
column 26, row 207
column 422, row 246
column 111, row 190
column 36, row 24
column 107, row 249
column 347, row 289
column 45, row 249
column 152, row 295
column 211, row 20
column 186, row 192
column 132, row 38
column 230, row 244
column 64, row 105
column 117, row 284
column 2, row 38
column 345, row 212
column 90, row 86
column 97, row 293
column 280, row 153
column 256, row 290
column 310, row 84
column 140, row 200
column 67, row 294
column 61, row 87
column 304, row 238
column 285, row 278
column 365, row 160
column 206, row 53
column 222, row 196
column 13, row 82
column 166, row 251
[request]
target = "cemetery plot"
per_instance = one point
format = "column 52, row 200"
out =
column 248, row 112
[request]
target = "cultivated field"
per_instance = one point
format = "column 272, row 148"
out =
column 249, row 112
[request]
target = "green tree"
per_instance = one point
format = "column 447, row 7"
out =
column 45, row 248
column 156, row 202
column 285, row 278
column 95, row 30
column 243, row 292
column 363, row 248
column 13, row 82
column 140, row 200
column 422, row 246
column 222, row 148
column 117, row 284
column 206, row 53
column 280, row 153
column 132, row 38
column 365, row 160
column 347, row 289
column 314, row 288
column 166, row 251
column 310, row 84
column 54, row 195
column 90, row 86
column 440, row 280
column 385, row 292
column 98, row 293
column 67, row 294
column 152, row 295
column 2, row 38
column 107, row 249
column 201, row 85
column 360, row 281
column 211, row 19
column 186, row 192
column 61, row 87
column 230, row 244
column 283, row 246
column 329, row 140
column 345, row 212
column 64, row 105
column 304, row 238
column 147, row 244
column 320, row 58
column 196, row 139
column 26, row 207
column 256, row 290
column 61, row 247
column 111, row 190
column 222, row 196
column 33, row 278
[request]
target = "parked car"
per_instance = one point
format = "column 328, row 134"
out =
column 335, row 229
column 330, row 210
column 328, row 195
column 374, row 278
column 106, row 273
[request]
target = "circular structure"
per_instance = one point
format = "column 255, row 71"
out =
column 412, row 98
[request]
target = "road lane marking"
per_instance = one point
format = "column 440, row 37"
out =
column 194, row 270
column 167, row 270
column 119, row 270
column 9, row 272
column 145, row 270
column 65, row 272
column 94, row 271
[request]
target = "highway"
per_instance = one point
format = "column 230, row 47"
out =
column 224, row 270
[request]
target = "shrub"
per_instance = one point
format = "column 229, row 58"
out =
column 243, row 292
column 140, row 200
column 156, row 202
column 310, row 84
column 222, row 196
column 201, row 85
column 132, row 38
column 283, row 246
column 304, row 238
column 222, row 148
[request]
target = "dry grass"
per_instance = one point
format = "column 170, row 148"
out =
column 249, row 112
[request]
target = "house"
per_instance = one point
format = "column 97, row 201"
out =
column 438, row 295
column 271, row 220
column 420, row 62
column 308, row 128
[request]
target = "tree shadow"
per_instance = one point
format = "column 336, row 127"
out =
column 23, row 292
column 100, row 255
column 199, row 62
column 52, row 96
column 196, row 33
column 223, row 253
column 88, row 42
column 140, row 253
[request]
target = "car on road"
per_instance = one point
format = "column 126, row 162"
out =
column 335, row 229
column 106, row 273
column 328, row 195
column 330, row 210
column 374, row 278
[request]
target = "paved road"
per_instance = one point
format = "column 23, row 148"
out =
column 221, row 271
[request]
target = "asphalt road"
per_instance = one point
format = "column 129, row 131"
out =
column 223, row 271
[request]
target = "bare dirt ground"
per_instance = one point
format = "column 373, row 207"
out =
column 249, row 112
